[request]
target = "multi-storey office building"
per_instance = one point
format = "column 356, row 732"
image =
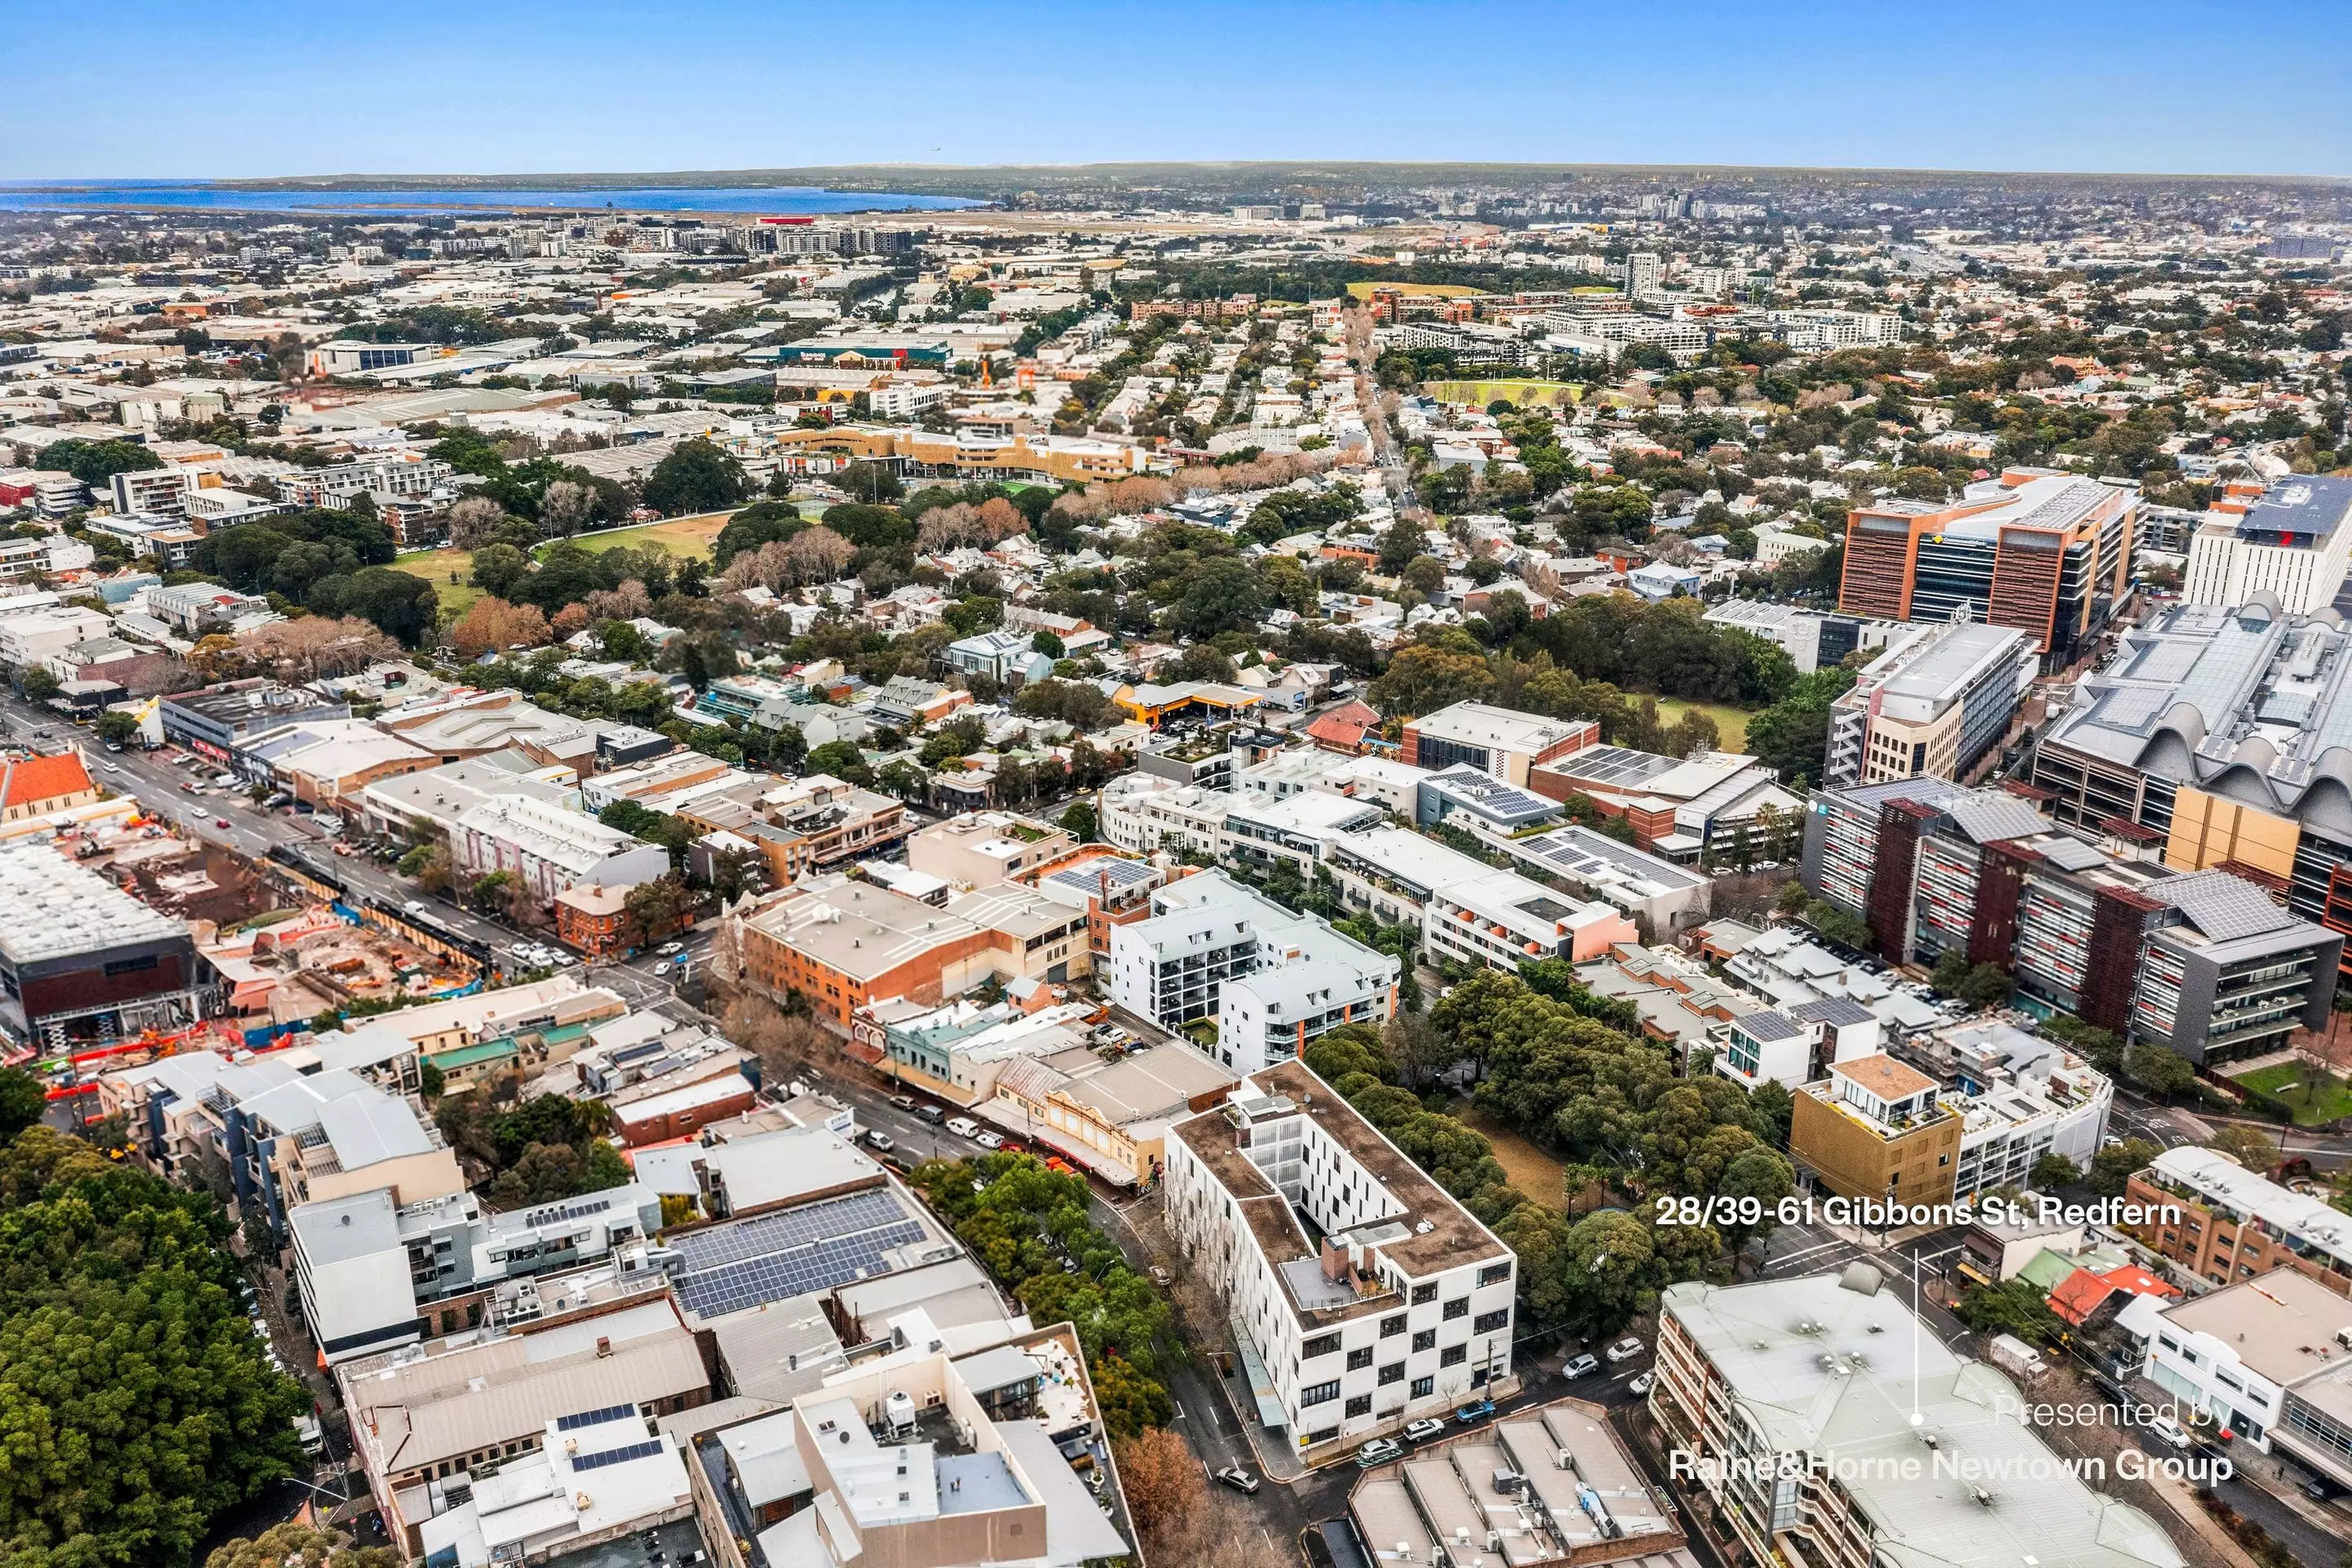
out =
column 1929, row 707
column 1503, row 742
column 2291, row 539
column 1402, row 1310
column 2226, row 734
column 2044, row 554
column 2202, row 962
column 1789, row 1398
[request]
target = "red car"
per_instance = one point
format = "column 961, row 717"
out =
column 220, row 822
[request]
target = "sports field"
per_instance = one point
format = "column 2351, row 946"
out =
column 1525, row 394
column 451, row 572
column 1428, row 291
column 680, row 536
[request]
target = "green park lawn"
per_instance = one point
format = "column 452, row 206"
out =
column 1731, row 723
column 681, row 536
column 451, row 572
column 2332, row 1099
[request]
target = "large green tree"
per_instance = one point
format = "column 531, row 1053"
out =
column 135, row 1406
column 697, row 476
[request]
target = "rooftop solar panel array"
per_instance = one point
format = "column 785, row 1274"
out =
column 1612, row 765
column 1123, row 873
column 593, row 1417
column 772, row 1256
column 645, row 1450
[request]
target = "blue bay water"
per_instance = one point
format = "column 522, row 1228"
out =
column 782, row 201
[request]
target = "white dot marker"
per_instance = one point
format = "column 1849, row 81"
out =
column 1918, row 1419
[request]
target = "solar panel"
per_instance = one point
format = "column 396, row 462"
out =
column 645, row 1450
column 593, row 1417
column 793, row 1253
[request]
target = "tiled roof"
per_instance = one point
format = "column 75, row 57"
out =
column 38, row 779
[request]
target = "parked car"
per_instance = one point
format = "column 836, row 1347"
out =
column 1642, row 1385
column 1241, row 1481
column 877, row 1139
column 1378, row 1451
column 1162, row 1278
column 930, row 1113
column 1422, row 1431
column 964, row 1127
column 1477, row 1410
column 989, row 1139
column 1626, row 1349
column 2167, row 1430
column 1579, row 1366
column 903, row 1101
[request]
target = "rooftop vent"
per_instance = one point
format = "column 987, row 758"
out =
column 1861, row 1279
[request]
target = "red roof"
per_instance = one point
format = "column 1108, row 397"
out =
column 2079, row 1294
column 2131, row 1277
column 1343, row 728
column 37, row 779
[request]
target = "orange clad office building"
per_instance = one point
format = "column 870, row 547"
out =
column 2048, row 555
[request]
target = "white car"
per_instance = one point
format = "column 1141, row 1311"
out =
column 661, row 969
column 989, row 1140
column 2165, row 1429
column 413, row 907
column 1642, row 1385
column 1626, row 1349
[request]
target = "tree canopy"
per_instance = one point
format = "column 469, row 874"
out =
column 135, row 1406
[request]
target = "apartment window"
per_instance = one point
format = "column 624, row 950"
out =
column 1393, row 1326
column 1359, row 1406
column 1321, row 1345
column 1425, row 1341
column 1423, row 1388
column 1457, row 1308
column 1455, row 1355
column 1392, row 1373
column 1360, row 1358
column 1321, row 1434
column 1422, row 1293
column 1319, row 1394
column 1488, row 1322
column 1494, row 1274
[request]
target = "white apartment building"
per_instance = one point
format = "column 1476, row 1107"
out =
column 550, row 848
column 2288, row 539
column 1406, row 1310
column 1271, row 980
column 1468, row 912
column 1144, row 813
column 28, row 640
column 2020, row 1097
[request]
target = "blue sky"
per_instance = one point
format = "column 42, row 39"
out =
column 236, row 88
